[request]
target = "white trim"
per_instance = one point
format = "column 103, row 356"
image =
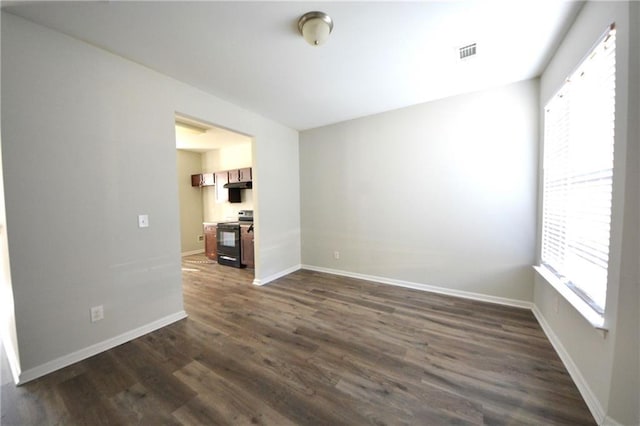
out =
column 63, row 361
column 425, row 287
column 595, row 319
column 589, row 397
column 189, row 253
column 12, row 357
column 267, row 280
column 608, row 421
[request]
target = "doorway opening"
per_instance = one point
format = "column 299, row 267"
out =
column 215, row 181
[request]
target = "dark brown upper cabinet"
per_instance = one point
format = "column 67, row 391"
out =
column 245, row 174
column 203, row 179
column 234, row 175
column 240, row 175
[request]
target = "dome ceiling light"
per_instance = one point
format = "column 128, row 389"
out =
column 315, row 27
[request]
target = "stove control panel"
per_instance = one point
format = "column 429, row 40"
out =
column 245, row 215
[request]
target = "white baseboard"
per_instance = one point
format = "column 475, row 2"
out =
column 589, row 397
column 58, row 363
column 608, row 421
column 425, row 287
column 189, row 253
column 267, row 280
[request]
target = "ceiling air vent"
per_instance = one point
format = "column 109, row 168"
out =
column 467, row 51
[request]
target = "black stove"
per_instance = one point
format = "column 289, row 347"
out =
column 228, row 236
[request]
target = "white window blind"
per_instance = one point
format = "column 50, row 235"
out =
column 577, row 175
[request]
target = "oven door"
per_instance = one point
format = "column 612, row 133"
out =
column 229, row 245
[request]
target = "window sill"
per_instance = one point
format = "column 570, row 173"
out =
column 593, row 317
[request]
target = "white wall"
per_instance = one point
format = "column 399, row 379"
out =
column 228, row 158
column 189, row 201
column 442, row 194
column 605, row 369
column 88, row 144
column 234, row 157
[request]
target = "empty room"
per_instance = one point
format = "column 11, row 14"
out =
column 317, row 213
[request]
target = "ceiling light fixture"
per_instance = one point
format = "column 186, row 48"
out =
column 315, row 27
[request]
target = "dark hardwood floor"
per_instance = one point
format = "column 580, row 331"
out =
column 313, row 349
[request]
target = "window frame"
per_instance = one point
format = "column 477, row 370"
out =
column 573, row 294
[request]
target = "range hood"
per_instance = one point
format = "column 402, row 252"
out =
column 238, row 185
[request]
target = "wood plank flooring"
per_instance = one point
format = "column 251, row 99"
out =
column 313, row 349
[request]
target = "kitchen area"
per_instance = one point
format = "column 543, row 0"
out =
column 231, row 243
column 215, row 188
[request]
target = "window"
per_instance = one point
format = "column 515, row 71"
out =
column 577, row 175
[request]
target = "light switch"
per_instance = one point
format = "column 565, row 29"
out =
column 143, row 221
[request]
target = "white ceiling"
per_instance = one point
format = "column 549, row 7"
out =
column 380, row 56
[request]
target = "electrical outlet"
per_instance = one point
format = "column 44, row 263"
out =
column 97, row 313
column 143, row 221
column 200, row 238
column 336, row 255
